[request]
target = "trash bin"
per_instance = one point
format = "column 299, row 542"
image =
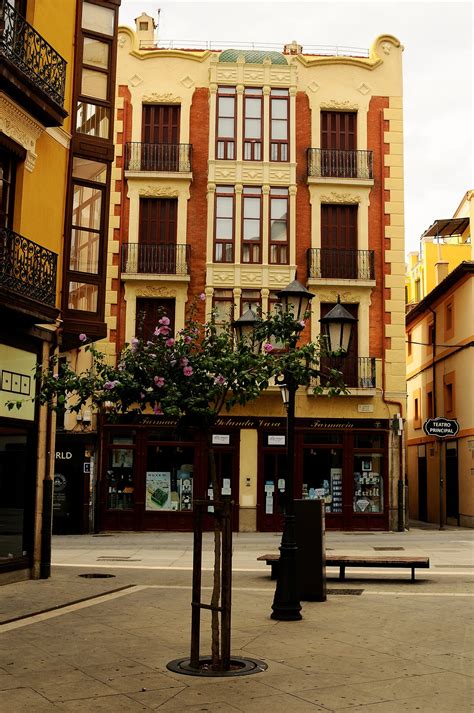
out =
column 311, row 554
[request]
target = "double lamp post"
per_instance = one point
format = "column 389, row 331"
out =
column 336, row 328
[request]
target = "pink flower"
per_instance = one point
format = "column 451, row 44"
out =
column 134, row 343
column 159, row 381
column 142, row 395
column 187, row 371
column 161, row 331
column 202, row 297
column 302, row 323
column 157, row 410
column 165, row 321
column 55, row 376
column 268, row 347
column 219, row 380
column 187, row 339
column 184, row 361
column 82, row 337
column 169, row 342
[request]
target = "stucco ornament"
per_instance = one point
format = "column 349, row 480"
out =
column 342, row 104
column 387, row 47
column 340, row 198
column 158, row 191
column 20, row 127
column 156, row 98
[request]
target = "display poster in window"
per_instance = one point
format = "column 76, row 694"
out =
column 336, row 489
column 185, row 489
column 122, row 458
column 158, row 490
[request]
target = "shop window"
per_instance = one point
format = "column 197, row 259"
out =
column 369, row 440
column 278, row 232
column 251, row 224
column 169, row 478
column 368, row 483
column 225, row 129
column 224, row 224
column 279, row 124
column 120, row 479
column 252, row 124
column 322, row 437
column 322, row 477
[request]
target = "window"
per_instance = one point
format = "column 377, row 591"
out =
column 225, row 130
column 93, row 110
column 339, row 241
column 417, row 409
column 417, row 290
column 449, row 394
column 224, row 224
column 338, row 144
column 449, row 319
column 429, row 401
column 368, row 483
column 253, row 113
column 169, row 478
column 278, row 233
column 148, row 312
column 279, row 120
column 251, row 299
column 409, row 344
column 431, row 339
column 223, row 305
column 251, row 225
column 7, row 189
column 158, row 221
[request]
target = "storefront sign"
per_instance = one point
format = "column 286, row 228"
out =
column 17, row 382
column 220, row 439
column 63, row 455
column 276, row 440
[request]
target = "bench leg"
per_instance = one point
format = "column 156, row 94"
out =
column 342, row 572
column 412, row 574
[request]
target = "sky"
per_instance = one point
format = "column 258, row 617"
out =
column 438, row 63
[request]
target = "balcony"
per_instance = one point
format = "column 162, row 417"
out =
column 164, row 259
column 357, row 372
column 27, row 276
column 168, row 158
column 33, row 73
column 336, row 163
column 340, row 264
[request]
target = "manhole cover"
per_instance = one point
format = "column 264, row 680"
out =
column 96, row 575
column 350, row 592
column 238, row 667
column 388, row 549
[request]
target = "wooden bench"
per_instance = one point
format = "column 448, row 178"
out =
column 343, row 561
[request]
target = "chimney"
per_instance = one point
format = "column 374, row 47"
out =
column 441, row 270
column 145, row 29
column 293, row 48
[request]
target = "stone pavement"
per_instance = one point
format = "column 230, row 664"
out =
column 396, row 646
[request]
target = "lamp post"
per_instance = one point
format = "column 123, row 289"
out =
column 337, row 328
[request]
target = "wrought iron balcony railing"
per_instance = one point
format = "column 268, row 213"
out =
column 339, row 263
column 156, row 259
column 158, row 157
column 26, row 268
column 335, row 163
column 25, row 48
column 357, row 372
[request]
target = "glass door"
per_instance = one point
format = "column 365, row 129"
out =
column 272, row 491
column 322, row 477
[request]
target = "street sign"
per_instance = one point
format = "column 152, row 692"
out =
column 441, row 427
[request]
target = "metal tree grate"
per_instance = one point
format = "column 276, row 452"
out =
column 388, row 549
column 350, row 592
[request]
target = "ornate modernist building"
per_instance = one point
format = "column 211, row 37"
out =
column 57, row 64
column 236, row 172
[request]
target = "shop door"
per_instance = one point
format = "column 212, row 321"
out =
column 160, row 137
column 452, row 483
column 69, row 496
column 322, row 480
column 271, row 491
column 16, row 495
column 422, row 489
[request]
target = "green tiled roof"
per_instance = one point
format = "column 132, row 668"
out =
column 252, row 56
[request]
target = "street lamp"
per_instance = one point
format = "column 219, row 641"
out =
column 337, row 324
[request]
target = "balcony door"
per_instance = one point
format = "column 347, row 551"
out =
column 160, row 137
column 339, row 144
column 339, row 241
column 149, row 311
column 157, row 236
column 349, row 364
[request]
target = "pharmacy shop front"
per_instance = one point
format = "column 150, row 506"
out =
column 151, row 473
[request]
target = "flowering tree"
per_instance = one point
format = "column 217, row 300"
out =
column 191, row 377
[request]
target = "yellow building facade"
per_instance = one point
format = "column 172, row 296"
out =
column 439, row 333
column 237, row 172
column 44, row 54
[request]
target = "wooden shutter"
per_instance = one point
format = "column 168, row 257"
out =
column 339, row 130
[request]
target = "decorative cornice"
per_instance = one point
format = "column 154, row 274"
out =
column 19, row 126
column 340, row 104
column 58, row 134
column 156, row 98
column 158, row 191
column 340, row 198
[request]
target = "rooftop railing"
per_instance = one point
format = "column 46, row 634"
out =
column 216, row 45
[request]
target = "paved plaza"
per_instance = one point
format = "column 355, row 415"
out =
column 380, row 644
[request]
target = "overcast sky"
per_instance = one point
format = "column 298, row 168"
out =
column 437, row 70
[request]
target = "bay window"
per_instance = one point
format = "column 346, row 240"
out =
column 224, row 224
